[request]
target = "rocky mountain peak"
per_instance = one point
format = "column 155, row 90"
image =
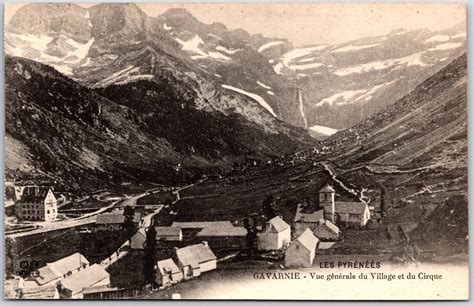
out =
column 177, row 13
column 117, row 20
column 181, row 18
column 51, row 19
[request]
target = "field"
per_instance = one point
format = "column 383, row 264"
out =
column 156, row 198
column 238, row 197
column 51, row 246
column 410, row 197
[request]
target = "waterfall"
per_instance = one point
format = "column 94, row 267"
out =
column 301, row 106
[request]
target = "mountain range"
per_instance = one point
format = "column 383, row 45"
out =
column 316, row 87
column 108, row 95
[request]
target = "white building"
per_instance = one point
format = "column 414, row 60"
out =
column 53, row 272
column 93, row 276
column 196, row 259
column 302, row 251
column 276, row 235
column 167, row 272
column 37, row 204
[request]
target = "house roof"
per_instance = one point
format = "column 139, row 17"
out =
column 110, row 218
column 96, row 289
column 167, row 266
column 60, row 267
column 47, row 292
column 167, row 231
column 203, row 224
column 350, row 207
column 327, row 188
column 85, row 278
column 278, row 224
column 308, row 240
column 313, row 217
column 331, row 226
column 34, row 194
column 46, row 274
column 223, row 232
column 195, row 254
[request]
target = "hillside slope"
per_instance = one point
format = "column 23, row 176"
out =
column 409, row 161
column 75, row 137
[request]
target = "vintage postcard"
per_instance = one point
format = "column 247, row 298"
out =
column 256, row 151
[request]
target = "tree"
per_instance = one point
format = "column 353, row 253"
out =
column 11, row 256
column 149, row 253
column 129, row 214
column 387, row 234
column 251, row 237
column 382, row 201
column 402, row 234
column 268, row 206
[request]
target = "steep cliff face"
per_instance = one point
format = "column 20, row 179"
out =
column 140, row 132
column 52, row 19
column 346, row 83
column 340, row 84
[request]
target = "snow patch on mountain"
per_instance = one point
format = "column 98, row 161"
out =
column 353, row 96
column 369, row 94
column 215, row 36
column 192, row 45
column 410, row 60
column 277, row 68
column 263, row 85
column 437, row 38
column 271, row 93
column 81, row 50
column 446, row 46
column 398, row 32
column 218, row 56
column 305, row 60
column 20, row 45
column 166, row 27
column 327, row 131
column 255, row 97
column 118, row 76
column 305, row 67
column 228, row 51
column 21, row 42
column 459, row 35
column 341, row 97
column 134, row 78
column 299, row 52
column 64, row 69
column 269, row 45
column 354, row 48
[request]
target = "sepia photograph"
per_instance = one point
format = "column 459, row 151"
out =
column 236, row 151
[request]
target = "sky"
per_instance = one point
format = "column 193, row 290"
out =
column 313, row 23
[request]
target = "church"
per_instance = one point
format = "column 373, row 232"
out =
column 351, row 214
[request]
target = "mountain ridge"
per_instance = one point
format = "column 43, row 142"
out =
column 242, row 60
column 82, row 139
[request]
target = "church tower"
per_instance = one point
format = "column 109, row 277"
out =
column 327, row 200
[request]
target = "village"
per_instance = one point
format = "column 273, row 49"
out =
column 166, row 252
